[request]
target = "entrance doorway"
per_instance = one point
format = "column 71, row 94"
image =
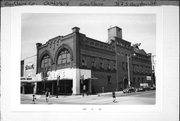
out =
column 125, row 83
column 65, row 87
column 85, row 84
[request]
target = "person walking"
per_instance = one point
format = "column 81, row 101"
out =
column 34, row 98
column 114, row 96
column 84, row 90
column 47, row 94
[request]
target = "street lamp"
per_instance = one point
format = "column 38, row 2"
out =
column 57, row 86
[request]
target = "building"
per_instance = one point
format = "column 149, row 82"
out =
column 66, row 63
column 153, row 69
column 28, row 75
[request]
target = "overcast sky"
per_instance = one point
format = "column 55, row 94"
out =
column 136, row 28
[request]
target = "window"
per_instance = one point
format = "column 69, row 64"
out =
column 134, row 79
column 101, row 64
column 134, row 70
column 64, row 57
column 142, row 79
column 46, row 61
column 83, row 60
column 109, row 79
column 123, row 66
column 93, row 65
column 108, row 66
column 114, row 65
column 126, row 66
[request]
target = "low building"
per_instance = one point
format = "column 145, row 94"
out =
column 28, row 75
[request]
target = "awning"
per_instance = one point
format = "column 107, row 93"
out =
column 93, row 77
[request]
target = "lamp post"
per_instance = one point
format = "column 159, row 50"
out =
column 57, row 86
column 128, row 58
column 116, row 65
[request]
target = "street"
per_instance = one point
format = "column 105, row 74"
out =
column 137, row 98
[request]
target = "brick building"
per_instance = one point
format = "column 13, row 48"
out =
column 66, row 63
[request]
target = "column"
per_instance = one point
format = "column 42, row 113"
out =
column 23, row 89
column 76, row 81
column 90, row 88
column 52, row 91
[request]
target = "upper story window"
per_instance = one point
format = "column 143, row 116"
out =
column 108, row 66
column 46, row 61
column 63, row 57
column 101, row 63
column 83, row 61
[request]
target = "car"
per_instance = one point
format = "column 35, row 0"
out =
column 152, row 88
column 129, row 90
column 147, row 88
column 140, row 89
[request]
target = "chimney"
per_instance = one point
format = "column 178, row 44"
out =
column 114, row 32
column 75, row 29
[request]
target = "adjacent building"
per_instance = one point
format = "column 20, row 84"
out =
column 75, row 63
column 28, row 75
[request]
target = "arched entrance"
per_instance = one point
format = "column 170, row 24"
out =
column 125, row 83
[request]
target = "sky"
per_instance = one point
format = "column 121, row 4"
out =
column 40, row 27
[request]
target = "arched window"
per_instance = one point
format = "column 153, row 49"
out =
column 63, row 57
column 46, row 61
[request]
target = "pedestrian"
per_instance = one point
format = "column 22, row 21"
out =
column 47, row 94
column 34, row 98
column 114, row 96
column 84, row 89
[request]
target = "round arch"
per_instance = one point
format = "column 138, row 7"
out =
column 46, row 53
column 63, row 46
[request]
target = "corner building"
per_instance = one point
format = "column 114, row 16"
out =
column 66, row 63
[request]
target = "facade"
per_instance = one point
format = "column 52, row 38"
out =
column 28, row 75
column 66, row 64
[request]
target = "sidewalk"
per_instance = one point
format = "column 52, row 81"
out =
column 75, row 96
column 108, row 93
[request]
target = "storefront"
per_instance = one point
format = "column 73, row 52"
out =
column 64, row 81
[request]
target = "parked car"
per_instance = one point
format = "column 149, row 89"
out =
column 152, row 88
column 147, row 88
column 140, row 89
column 129, row 90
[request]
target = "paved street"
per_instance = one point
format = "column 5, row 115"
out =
column 138, row 98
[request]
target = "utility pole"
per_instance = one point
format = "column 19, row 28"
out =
column 116, row 58
column 128, row 60
column 57, row 86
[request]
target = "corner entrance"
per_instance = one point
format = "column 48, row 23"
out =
column 85, row 86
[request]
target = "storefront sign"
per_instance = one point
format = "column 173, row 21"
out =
column 148, row 77
column 27, row 67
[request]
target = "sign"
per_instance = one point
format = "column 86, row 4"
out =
column 144, row 85
column 82, row 77
column 27, row 67
column 148, row 77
